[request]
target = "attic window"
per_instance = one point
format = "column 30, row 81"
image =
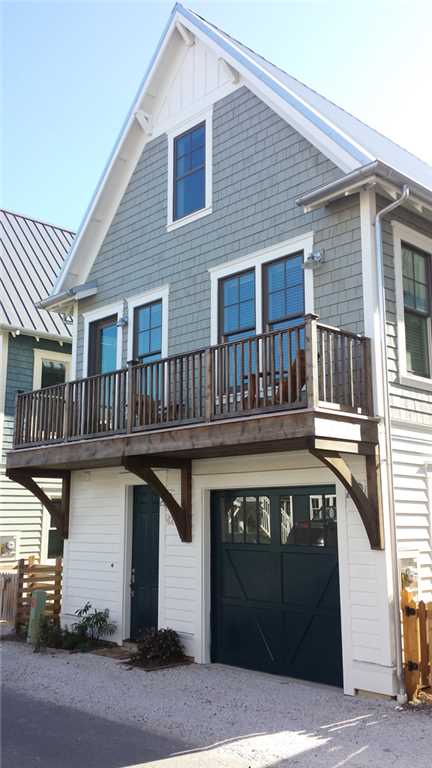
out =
column 190, row 171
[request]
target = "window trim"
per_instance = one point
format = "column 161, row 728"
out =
column 155, row 294
column 99, row 314
column 403, row 234
column 256, row 260
column 56, row 357
column 204, row 117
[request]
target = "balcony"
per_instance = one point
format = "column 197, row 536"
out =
column 301, row 388
column 311, row 366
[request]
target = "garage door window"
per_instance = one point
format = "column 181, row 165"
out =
column 313, row 526
column 246, row 519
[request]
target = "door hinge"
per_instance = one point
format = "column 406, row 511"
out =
column 412, row 666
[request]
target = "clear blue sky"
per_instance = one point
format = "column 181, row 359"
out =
column 71, row 70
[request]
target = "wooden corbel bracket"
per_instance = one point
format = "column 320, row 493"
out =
column 181, row 513
column 57, row 508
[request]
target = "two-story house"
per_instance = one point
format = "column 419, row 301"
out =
column 35, row 353
column 245, row 446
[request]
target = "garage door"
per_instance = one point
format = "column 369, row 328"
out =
column 275, row 584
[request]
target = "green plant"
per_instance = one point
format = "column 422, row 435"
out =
column 158, row 646
column 51, row 635
column 93, row 624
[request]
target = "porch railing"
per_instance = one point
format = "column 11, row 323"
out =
column 308, row 366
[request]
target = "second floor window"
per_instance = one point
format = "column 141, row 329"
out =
column 283, row 293
column 237, row 306
column 148, row 332
column 416, row 270
column 189, row 172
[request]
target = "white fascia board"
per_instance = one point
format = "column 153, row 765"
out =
column 15, row 330
column 337, row 147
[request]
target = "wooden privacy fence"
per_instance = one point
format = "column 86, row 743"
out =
column 417, row 643
column 32, row 576
column 8, row 596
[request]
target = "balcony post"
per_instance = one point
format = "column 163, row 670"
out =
column 208, row 384
column 367, row 398
column 66, row 412
column 131, row 395
column 311, row 360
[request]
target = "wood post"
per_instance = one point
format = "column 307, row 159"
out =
column 208, row 384
column 131, row 395
column 57, row 588
column 66, row 411
column 311, row 360
column 367, row 397
column 20, row 583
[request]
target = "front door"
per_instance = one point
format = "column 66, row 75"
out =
column 145, row 561
column 275, row 582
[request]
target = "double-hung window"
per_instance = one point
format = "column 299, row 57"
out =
column 189, row 172
column 148, row 332
column 416, row 277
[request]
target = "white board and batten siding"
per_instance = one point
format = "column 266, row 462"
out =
column 98, row 558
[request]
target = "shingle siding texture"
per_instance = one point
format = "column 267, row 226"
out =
column 260, row 166
column 408, row 403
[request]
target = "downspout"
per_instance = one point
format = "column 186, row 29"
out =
column 401, row 696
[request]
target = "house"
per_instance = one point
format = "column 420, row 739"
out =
column 245, row 445
column 35, row 352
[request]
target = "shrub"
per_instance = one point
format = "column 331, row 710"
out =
column 159, row 646
column 93, row 625
column 51, row 634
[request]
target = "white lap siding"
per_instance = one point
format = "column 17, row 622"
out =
column 412, row 470
column 97, row 558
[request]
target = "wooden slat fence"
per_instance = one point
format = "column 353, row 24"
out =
column 8, row 596
column 32, row 576
column 417, row 643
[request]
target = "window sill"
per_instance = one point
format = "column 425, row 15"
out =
column 188, row 219
column 415, row 382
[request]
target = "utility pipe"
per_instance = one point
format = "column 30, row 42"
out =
column 401, row 696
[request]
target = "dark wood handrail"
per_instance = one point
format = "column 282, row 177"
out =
column 311, row 365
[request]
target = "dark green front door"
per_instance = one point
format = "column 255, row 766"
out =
column 145, row 561
column 275, row 583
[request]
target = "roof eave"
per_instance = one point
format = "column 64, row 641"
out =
column 60, row 301
column 377, row 174
column 18, row 331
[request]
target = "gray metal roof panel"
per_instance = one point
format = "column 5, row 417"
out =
column 31, row 255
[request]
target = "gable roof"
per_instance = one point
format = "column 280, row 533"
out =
column 31, row 256
column 344, row 139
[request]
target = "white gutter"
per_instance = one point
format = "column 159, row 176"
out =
column 402, row 697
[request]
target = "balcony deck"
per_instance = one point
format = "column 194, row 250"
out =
column 275, row 391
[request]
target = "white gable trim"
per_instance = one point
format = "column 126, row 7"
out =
column 122, row 162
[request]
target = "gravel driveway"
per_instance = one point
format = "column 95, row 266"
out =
column 234, row 717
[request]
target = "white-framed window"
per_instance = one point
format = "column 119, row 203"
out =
column 190, row 170
column 148, row 325
column 114, row 338
column 255, row 264
column 50, row 368
column 413, row 287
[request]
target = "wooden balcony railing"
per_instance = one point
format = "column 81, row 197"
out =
column 308, row 366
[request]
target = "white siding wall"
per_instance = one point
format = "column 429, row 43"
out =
column 97, row 559
column 412, row 468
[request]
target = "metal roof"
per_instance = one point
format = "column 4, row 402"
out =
column 31, row 255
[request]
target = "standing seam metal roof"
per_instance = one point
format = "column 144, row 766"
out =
column 31, row 256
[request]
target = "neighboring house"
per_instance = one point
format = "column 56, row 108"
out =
column 238, row 203
column 35, row 352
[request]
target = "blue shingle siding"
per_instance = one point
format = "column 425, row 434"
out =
column 260, row 166
column 20, row 373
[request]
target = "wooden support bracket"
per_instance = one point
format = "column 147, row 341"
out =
column 181, row 513
column 369, row 506
column 57, row 508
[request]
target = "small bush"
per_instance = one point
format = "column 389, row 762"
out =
column 51, row 635
column 159, row 646
column 94, row 625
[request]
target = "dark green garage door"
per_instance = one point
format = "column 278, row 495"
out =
column 275, row 583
